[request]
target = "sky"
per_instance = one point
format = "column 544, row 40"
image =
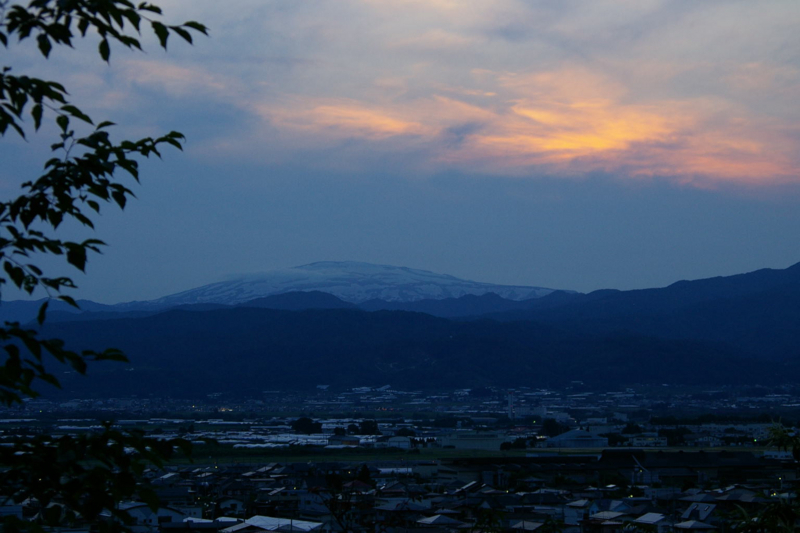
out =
column 566, row 144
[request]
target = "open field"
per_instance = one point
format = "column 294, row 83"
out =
column 227, row 455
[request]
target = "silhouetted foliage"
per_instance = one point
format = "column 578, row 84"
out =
column 306, row 425
column 364, row 475
column 615, row 439
column 675, row 437
column 774, row 517
column 87, row 474
column 781, row 438
column 368, row 427
column 631, row 428
column 552, row 428
column 519, row 443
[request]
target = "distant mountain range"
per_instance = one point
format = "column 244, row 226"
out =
column 758, row 312
column 738, row 329
column 350, row 281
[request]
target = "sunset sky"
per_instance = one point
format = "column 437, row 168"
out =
column 578, row 145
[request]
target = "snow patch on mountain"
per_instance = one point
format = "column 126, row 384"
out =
column 351, row 281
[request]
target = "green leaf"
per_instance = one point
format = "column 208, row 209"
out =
column 149, row 497
column 14, row 272
column 76, row 256
column 57, row 87
column 196, row 26
column 174, row 143
column 105, row 51
column 69, row 300
column 130, row 166
column 50, row 378
column 133, row 17
column 105, row 124
column 63, row 122
column 55, row 218
column 144, row 6
column 120, row 198
column 42, row 313
column 78, row 364
column 83, row 219
column 161, row 32
column 112, row 354
column 83, row 25
column 183, row 33
column 36, row 113
column 77, row 113
column 44, row 44
column 5, row 122
column 130, row 42
column 33, row 345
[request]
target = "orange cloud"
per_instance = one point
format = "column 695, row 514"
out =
column 347, row 118
column 427, row 117
column 571, row 121
column 575, row 121
column 582, row 128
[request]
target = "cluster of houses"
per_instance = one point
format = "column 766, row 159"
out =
column 557, row 431
column 613, row 491
column 584, row 462
column 516, row 403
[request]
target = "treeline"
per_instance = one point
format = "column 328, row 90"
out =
column 245, row 351
column 760, row 418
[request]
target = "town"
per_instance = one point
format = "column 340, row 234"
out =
column 378, row 459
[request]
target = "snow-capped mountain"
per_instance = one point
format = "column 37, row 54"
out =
column 351, row 281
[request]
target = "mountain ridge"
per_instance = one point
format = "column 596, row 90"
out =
column 351, row 281
column 245, row 350
column 733, row 330
column 488, row 302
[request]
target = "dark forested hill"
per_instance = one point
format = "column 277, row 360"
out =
column 758, row 312
column 299, row 300
column 246, row 350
